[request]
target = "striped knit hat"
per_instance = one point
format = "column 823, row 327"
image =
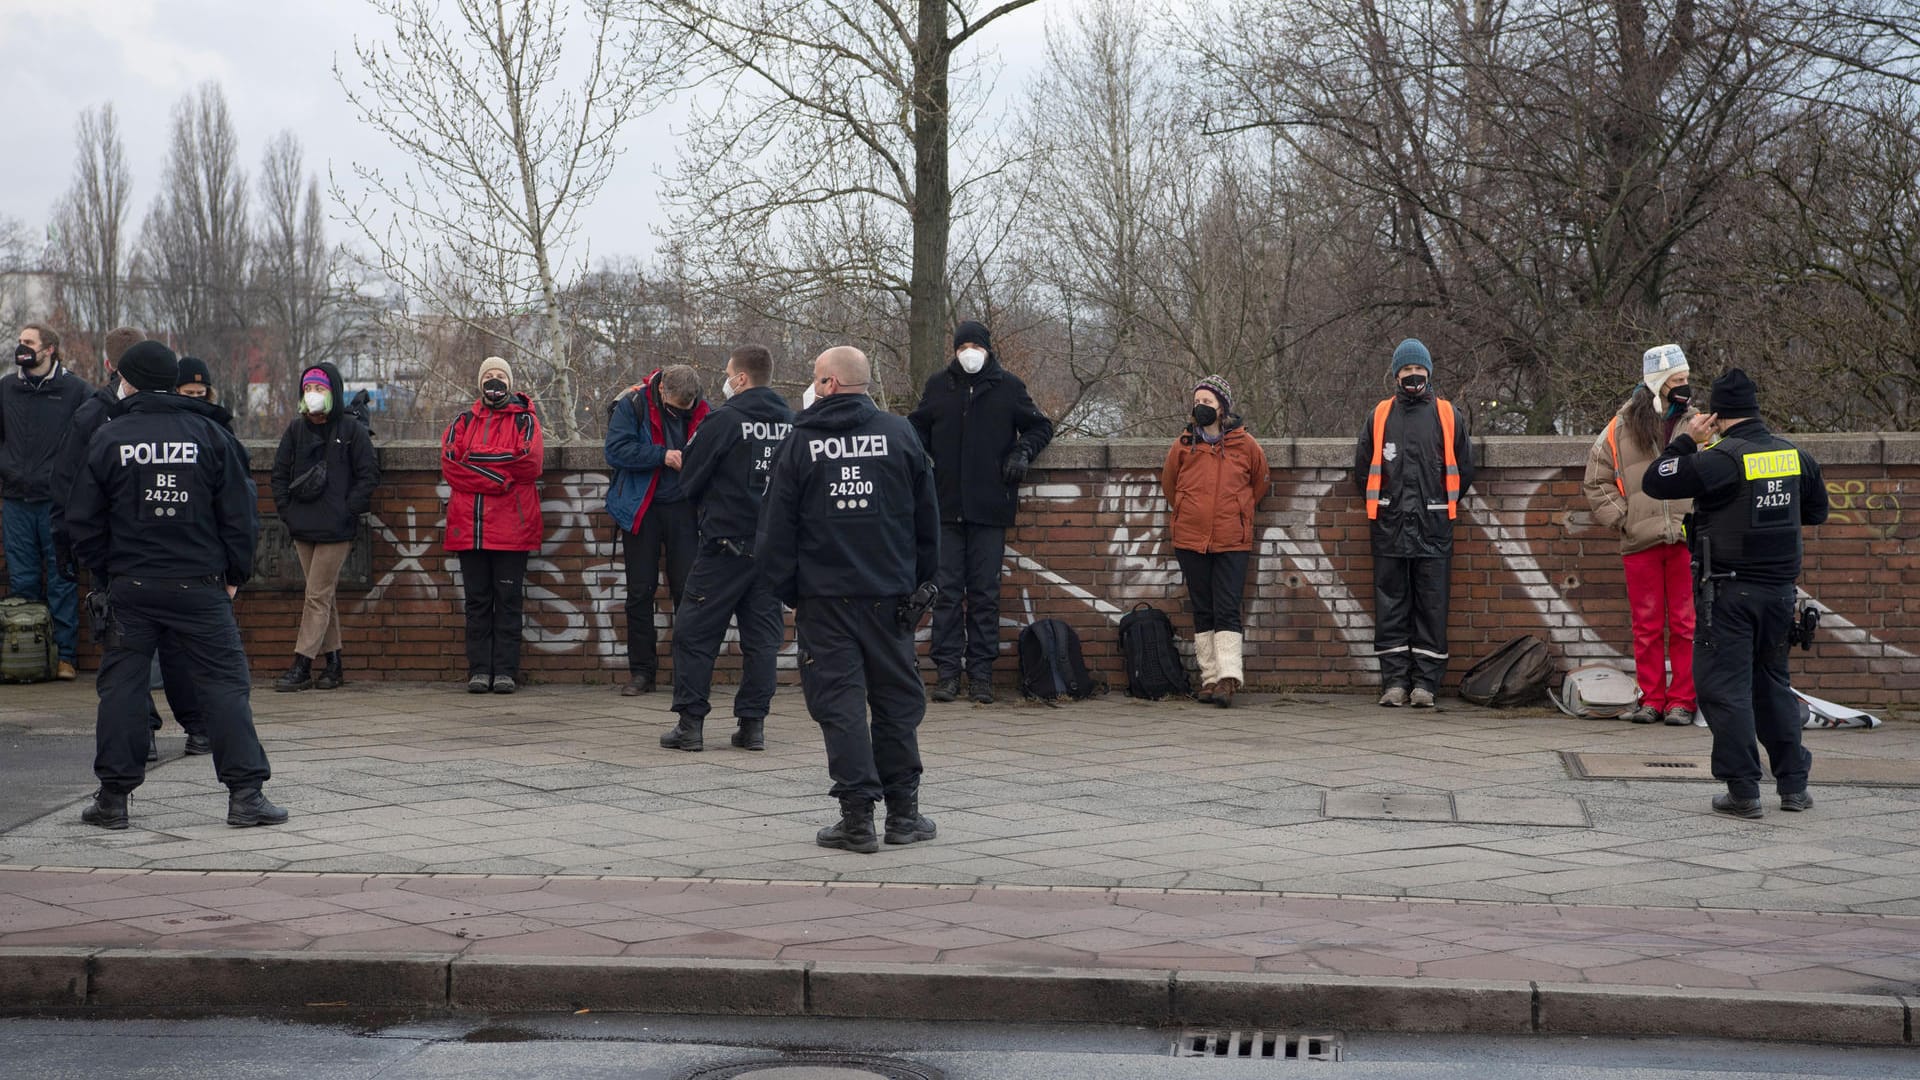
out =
column 1220, row 389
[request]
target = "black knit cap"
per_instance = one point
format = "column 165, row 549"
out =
column 972, row 333
column 1735, row 396
column 193, row 370
column 150, row 365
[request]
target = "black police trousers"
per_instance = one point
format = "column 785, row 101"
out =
column 669, row 529
column 854, row 658
column 966, row 615
column 723, row 586
column 1410, row 620
column 177, row 682
column 1216, row 580
column 197, row 615
column 1740, row 672
column 495, row 583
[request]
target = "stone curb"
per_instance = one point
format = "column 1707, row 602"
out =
column 243, row 982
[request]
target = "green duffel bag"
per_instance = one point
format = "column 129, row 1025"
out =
column 27, row 651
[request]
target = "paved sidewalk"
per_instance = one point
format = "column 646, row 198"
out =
column 1112, row 834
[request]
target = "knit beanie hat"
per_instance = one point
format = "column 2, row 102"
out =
column 1221, row 389
column 193, row 370
column 972, row 333
column 494, row 365
column 149, row 365
column 315, row 375
column 1734, row 396
column 1411, row 351
column 1659, row 364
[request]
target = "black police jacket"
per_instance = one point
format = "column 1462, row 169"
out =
column 725, row 468
column 1413, row 478
column 164, row 493
column 971, row 424
column 1751, row 492
column 331, row 514
column 32, row 421
column 850, row 509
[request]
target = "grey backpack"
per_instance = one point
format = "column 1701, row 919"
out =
column 1597, row 692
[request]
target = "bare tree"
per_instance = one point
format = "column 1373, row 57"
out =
column 824, row 169
column 295, row 272
column 90, row 221
column 505, row 157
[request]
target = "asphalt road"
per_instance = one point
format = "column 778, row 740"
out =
column 42, row 773
column 604, row 1047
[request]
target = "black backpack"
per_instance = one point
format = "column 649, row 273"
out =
column 1516, row 674
column 1050, row 663
column 1154, row 669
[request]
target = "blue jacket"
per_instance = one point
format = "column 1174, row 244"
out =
column 636, row 451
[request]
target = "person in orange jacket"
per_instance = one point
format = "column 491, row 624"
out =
column 1214, row 479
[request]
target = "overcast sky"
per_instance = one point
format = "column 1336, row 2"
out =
column 275, row 58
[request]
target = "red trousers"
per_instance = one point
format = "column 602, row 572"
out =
column 1660, row 591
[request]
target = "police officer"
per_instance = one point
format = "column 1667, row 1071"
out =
column 1752, row 491
column 850, row 539
column 725, row 475
column 162, row 514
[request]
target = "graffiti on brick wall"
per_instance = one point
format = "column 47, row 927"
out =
column 577, row 608
column 1853, row 502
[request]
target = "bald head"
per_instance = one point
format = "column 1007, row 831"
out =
column 846, row 366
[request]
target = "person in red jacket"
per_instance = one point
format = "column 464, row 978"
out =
column 491, row 458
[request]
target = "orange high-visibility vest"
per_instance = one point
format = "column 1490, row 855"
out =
column 1374, row 476
column 1613, row 445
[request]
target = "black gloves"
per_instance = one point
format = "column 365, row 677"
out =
column 1015, row 468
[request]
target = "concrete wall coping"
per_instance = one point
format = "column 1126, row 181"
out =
column 1494, row 451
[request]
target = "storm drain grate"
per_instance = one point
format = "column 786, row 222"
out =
column 1257, row 1046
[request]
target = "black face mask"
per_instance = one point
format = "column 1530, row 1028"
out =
column 1413, row 385
column 24, row 355
column 494, row 390
column 1679, row 397
column 1205, row 415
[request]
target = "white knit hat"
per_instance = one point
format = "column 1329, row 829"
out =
column 1659, row 364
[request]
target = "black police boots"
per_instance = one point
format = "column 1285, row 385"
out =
column 247, row 806
column 1734, row 806
column 108, row 810
column 330, row 677
column 752, row 735
column 198, row 744
column 854, row 830
column 686, row 735
column 297, row 677
column 904, row 823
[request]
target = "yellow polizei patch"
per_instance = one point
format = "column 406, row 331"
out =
column 1772, row 464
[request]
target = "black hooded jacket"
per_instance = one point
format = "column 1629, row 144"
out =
column 1413, row 478
column 729, row 460
column 333, row 514
column 970, row 424
column 850, row 510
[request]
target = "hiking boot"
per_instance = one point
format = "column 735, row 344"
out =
column 686, row 735
column 299, row 676
column 1796, row 803
column 637, row 685
column 1679, row 717
column 330, row 677
column 108, row 810
column 1734, row 807
column 65, row 672
column 904, row 823
column 198, row 744
column 980, row 690
column 1645, row 714
column 854, row 830
column 504, row 684
column 1421, row 698
column 752, row 735
column 1394, row 698
column 1223, row 691
column 1205, row 696
column 248, row 806
column 947, row 689
column 479, row 684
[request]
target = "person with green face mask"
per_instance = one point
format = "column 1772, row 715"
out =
column 323, row 479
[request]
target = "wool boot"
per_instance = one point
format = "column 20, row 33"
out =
column 297, row 677
column 854, row 830
column 1207, row 654
column 686, row 735
column 1228, row 646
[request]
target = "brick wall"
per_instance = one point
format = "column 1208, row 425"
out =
column 1090, row 543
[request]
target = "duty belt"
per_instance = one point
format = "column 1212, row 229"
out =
column 140, row 581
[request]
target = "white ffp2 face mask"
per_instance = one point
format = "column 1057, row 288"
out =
column 972, row 360
column 726, row 390
column 316, row 401
column 807, row 399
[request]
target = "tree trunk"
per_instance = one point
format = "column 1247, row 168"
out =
column 932, row 201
